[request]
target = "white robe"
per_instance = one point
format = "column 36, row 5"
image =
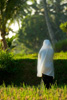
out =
column 45, row 60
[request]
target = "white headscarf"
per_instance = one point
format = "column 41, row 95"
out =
column 46, row 44
column 42, row 56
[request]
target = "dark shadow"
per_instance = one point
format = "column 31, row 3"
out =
column 60, row 71
column 26, row 72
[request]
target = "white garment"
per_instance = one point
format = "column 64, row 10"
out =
column 45, row 60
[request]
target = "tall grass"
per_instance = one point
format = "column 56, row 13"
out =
column 33, row 93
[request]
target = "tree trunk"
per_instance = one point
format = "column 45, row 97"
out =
column 4, row 43
column 50, row 31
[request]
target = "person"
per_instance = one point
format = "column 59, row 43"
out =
column 45, row 67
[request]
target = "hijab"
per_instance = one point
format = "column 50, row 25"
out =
column 45, row 47
column 46, row 44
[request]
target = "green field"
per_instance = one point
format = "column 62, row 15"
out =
column 23, row 84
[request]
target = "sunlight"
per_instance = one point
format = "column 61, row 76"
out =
column 0, row 36
column 28, row 2
column 11, row 34
column 38, row 1
column 15, row 27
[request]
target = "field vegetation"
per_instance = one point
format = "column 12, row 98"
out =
column 18, row 61
column 18, row 80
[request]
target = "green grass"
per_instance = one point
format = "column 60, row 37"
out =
column 61, row 55
column 33, row 88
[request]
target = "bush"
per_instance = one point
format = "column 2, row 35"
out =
column 10, row 40
column 63, row 27
column 7, row 62
column 61, row 46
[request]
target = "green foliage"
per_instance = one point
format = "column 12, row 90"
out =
column 31, row 86
column 60, row 55
column 10, row 11
column 34, row 29
column 33, row 32
column 27, row 79
column 57, row 14
column 63, row 27
column 61, row 46
column 25, row 66
column 9, row 40
column 6, row 61
column 25, row 56
column 21, row 49
column 60, row 67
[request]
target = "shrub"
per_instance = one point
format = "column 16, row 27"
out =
column 63, row 27
column 10, row 40
column 61, row 46
column 7, row 62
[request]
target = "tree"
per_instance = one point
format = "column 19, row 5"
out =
column 57, row 11
column 57, row 14
column 9, row 10
column 51, row 33
column 33, row 32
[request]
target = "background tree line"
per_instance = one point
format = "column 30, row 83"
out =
column 34, row 29
column 33, row 19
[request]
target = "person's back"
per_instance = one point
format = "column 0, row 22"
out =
column 45, row 68
column 48, row 62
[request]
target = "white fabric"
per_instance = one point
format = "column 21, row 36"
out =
column 45, row 60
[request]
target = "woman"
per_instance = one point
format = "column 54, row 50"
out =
column 45, row 67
